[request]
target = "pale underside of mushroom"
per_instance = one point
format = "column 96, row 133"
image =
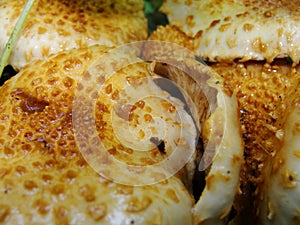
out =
column 54, row 26
column 223, row 153
column 242, row 30
column 218, row 125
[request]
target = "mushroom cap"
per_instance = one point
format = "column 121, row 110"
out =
column 46, row 177
column 238, row 30
column 54, row 26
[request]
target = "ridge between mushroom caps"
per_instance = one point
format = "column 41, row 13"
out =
column 217, row 118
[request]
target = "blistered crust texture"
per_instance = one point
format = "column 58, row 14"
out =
column 43, row 176
column 227, row 30
column 53, row 26
column 264, row 94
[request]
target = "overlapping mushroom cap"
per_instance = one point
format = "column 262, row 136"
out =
column 242, row 30
column 54, row 26
column 217, row 118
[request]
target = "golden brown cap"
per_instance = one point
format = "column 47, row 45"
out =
column 44, row 178
column 53, row 26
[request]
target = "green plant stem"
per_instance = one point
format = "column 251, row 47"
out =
column 14, row 35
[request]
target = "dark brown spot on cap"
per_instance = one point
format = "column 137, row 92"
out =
column 30, row 103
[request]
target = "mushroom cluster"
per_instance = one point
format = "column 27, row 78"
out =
column 197, row 123
column 90, row 133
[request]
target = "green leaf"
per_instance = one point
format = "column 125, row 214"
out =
column 152, row 6
column 289, row 60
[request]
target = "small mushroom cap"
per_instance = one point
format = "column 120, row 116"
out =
column 242, row 30
column 54, row 26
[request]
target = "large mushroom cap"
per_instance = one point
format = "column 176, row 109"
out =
column 45, row 178
column 54, row 26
